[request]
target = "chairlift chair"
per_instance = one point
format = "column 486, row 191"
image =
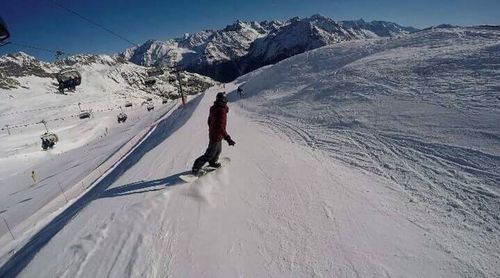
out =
column 84, row 115
column 122, row 117
column 154, row 72
column 68, row 79
column 149, row 82
column 49, row 140
column 150, row 106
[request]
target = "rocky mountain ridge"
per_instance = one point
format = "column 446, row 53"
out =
column 244, row 46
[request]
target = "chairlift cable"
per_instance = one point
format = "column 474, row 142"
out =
column 93, row 22
column 39, row 48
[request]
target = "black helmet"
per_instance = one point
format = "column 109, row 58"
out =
column 221, row 97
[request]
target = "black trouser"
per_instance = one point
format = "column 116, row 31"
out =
column 211, row 155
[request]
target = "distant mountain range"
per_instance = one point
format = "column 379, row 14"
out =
column 244, row 46
column 22, row 71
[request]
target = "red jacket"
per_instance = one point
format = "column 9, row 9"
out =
column 217, row 121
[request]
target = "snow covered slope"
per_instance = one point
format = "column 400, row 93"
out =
column 421, row 111
column 28, row 93
column 352, row 160
column 278, row 209
column 244, row 46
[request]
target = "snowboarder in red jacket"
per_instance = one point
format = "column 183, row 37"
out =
column 217, row 131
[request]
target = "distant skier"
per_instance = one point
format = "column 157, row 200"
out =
column 217, row 131
column 240, row 91
column 33, row 176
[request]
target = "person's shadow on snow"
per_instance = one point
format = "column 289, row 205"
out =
column 143, row 186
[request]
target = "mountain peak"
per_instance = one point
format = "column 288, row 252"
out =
column 236, row 26
column 317, row 17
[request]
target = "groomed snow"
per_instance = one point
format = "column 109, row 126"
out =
column 84, row 147
column 364, row 159
column 277, row 209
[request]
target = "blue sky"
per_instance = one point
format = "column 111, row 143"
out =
column 41, row 23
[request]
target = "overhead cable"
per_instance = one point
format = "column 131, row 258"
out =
column 93, row 22
column 57, row 52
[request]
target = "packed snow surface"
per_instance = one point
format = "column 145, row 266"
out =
column 84, row 146
column 375, row 158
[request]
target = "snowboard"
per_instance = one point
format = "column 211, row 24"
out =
column 188, row 178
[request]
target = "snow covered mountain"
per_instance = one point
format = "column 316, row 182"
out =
column 377, row 28
column 244, row 46
column 300, row 35
column 18, row 68
column 205, row 47
column 20, row 64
